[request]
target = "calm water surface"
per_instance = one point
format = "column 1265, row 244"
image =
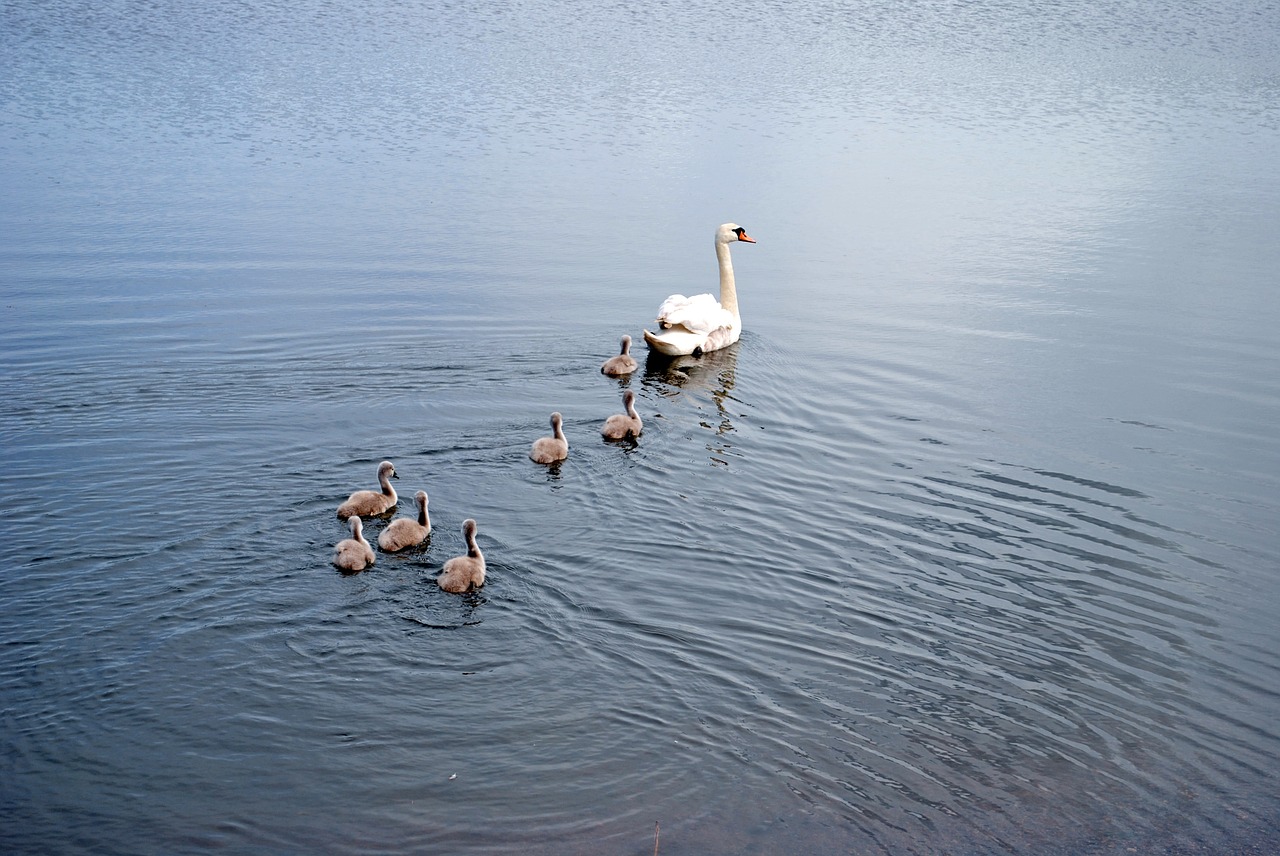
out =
column 968, row 546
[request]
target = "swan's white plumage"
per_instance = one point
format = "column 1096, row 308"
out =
column 701, row 313
column 692, row 325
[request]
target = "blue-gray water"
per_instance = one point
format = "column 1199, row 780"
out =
column 968, row 546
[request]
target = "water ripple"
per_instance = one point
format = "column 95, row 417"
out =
column 965, row 547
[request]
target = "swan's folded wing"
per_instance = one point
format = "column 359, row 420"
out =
column 701, row 313
column 674, row 303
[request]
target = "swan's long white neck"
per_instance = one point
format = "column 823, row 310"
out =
column 728, row 289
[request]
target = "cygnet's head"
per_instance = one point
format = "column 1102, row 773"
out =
column 386, row 468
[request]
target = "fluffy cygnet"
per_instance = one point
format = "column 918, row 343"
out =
column 622, row 364
column 371, row 503
column 464, row 573
column 548, row 450
column 407, row 531
column 622, row 425
column 354, row 553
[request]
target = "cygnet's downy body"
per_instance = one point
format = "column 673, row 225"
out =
column 619, row 426
column 464, row 573
column 548, row 450
column 354, row 553
column 623, row 363
column 405, row 532
column 371, row 503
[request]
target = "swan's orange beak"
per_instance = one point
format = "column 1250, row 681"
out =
column 743, row 236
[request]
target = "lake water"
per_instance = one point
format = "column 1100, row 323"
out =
column 969, row 545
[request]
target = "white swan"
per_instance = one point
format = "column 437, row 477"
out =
column 371, row 503
column 464, row 573
column 407, row 531
column 548, row 450
column 619, row 426
column 693, row 325
column 354, row 553
column 623, row 363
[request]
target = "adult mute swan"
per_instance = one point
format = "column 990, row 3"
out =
column 407, row 531
column 371, row 503
column 354, row 553
column 464, row 573
column 693, row 325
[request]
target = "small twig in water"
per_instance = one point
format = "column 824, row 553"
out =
column 655, row 838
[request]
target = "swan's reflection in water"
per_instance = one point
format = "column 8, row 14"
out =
column 695, row 380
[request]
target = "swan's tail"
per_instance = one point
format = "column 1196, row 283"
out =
column 674, row 341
